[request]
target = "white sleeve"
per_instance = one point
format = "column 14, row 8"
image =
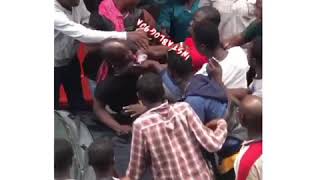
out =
column 79, row 32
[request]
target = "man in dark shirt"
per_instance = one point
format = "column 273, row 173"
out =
column 115, row 92
column 118, row 89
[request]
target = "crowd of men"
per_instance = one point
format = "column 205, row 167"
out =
column 162, row 116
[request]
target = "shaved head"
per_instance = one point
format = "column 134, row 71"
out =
column 116, row 52
column 251, row 113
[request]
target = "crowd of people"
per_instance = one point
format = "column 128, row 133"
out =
column 164, row 117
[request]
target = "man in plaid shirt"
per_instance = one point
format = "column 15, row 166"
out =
column 168, row 137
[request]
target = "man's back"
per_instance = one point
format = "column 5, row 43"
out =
column 170, row 134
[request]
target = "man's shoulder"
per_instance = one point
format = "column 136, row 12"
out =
column 238, row 55
column 180, row 105
column 145, row 118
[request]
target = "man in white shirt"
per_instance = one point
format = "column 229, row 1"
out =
column 233, row 61
column 68, row 31
column 236, row 15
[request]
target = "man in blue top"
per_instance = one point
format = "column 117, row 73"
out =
column 205, row 95
column 175, row 17
column 208, row 98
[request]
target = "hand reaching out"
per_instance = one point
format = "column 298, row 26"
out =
column 135, row 109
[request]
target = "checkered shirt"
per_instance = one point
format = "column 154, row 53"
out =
column 170, row 137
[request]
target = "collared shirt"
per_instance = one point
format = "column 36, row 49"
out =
column 175, row 17
column 236, row 15
column 171, row 136
column 68, row 29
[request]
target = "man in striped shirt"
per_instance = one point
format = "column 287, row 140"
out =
column 248, row 165
column 168, row 137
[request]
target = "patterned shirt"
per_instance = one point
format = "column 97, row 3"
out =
column 170, row 137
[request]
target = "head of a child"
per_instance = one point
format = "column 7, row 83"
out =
column 101, row 157
column 250, row 114
column 206, row 36
column 255, row 53
column 63, row 155
column 205, row 13
column 117, row 53
column 179, row 69
column 150, row 90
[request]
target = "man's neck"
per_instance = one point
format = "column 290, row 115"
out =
column 153, row 105
column 120, row 6
column 64, row 5
column 220, row 53
column 252, row 135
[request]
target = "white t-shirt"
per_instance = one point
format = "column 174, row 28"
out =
column 234, row 68
column 256, row 87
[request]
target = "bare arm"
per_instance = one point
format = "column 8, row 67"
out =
column 104, row 117
column 238, row 93
column 153, row 65
column 149, row 19
column 236, row 40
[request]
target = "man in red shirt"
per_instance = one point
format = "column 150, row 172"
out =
column 170, row 136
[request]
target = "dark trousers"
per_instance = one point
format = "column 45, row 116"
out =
column 69, row 77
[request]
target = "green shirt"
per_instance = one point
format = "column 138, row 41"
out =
column 252, row 31
column 176, row 18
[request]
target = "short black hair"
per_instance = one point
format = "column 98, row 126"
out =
column 207, row 33
column 101, row 155
column 211, row 14
column 257, row 50
column 178, row 64
column 63, row 154
column 149, row 87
